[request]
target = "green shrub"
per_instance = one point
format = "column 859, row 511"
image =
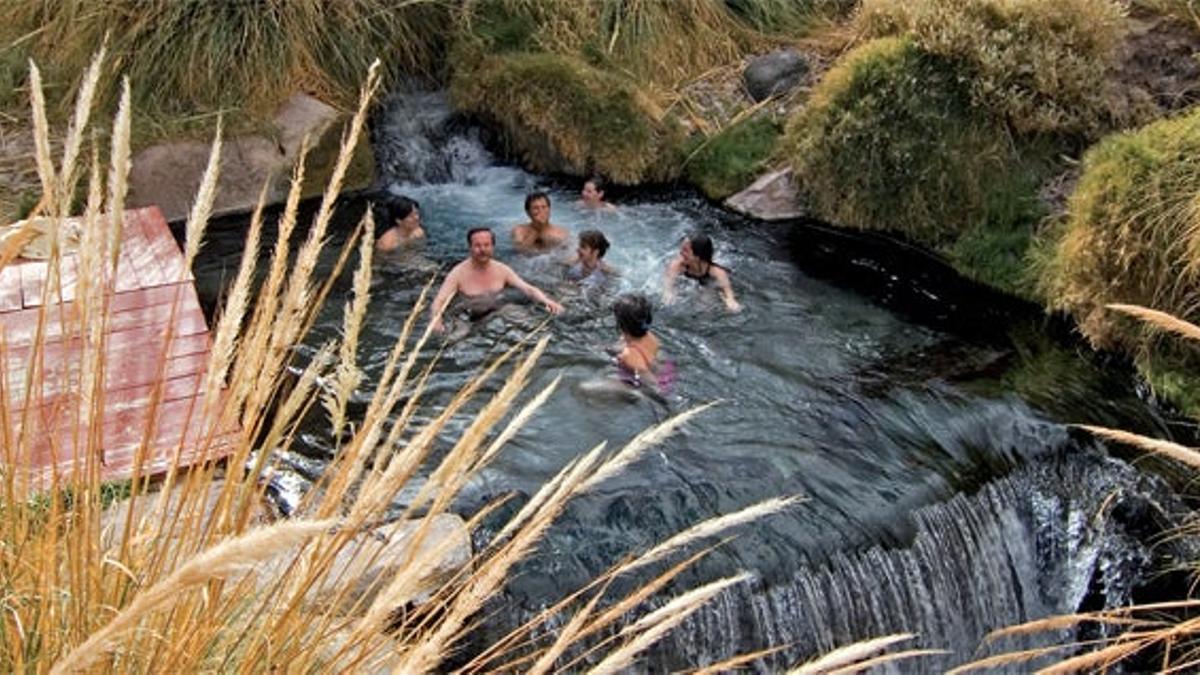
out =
column 890, row 140
column 1133, row 233
column 560, row 114
column 1039, row 64
column 729, row 161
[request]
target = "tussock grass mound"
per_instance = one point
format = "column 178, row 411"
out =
column 660, row 41
column 1133, row 232
column 1038, row 64
column 560, row 114
column 731, row 159
column 188, row 56
column 890, row 140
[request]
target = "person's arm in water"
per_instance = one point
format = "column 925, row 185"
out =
column 722, row 278
column 668, row 295
column 530, row 291
column 444, row 295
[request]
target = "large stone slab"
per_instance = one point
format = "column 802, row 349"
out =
column 168, row 174
column 772, row 197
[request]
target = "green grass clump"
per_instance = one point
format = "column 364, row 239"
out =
column 1038, row 64
column 560, row 114
column 189, row 56
column 659, row 42
column 733, row 158
column 1133, row 233
column 890, row 140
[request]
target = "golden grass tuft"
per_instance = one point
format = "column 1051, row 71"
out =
column 1132, row 236
column 1039, row 65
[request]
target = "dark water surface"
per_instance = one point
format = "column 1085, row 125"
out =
column 925, row 425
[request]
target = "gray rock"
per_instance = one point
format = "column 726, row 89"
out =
column 168, row 174
column 368, row 563
column 772, row 197
column 775, row 73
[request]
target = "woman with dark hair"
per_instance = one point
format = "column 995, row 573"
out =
column 638, row 360
column 404, row 214
column 592, row 195
column 695, row 261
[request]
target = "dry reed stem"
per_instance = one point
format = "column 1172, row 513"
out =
column 41, row 142
column 1101, row 658
column 74, row 140
column 655, row 625
column 641, row 443
column 349, row 465
column 711, row 528
column 884, row 659
column 118, row 175
column 736, row 663
column 849, row 654
column 197, row 220
column 220, row 561
column 347, row 375
column 229, row 326
column 1180, row 453
column 1159, row 319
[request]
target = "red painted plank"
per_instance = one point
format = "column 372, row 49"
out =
column 166, row 251
column 10, row 288
column 33, row 278
column 128, row 310
column 124, row 371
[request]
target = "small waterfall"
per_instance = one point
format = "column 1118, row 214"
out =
column 1059, row 536
column 417, row 138
column 1070, row 532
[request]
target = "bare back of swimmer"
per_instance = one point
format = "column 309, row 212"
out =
column 480, row 279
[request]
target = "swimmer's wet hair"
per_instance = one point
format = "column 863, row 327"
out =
column 400, row 207
column 702, row 246
column 597, row 183
column 633, row 314
column 471, row 233
column 533, row 197
column 594, row 239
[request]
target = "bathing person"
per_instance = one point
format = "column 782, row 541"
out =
column 404, row 214
column 539, row 234
column 592, row 195
column 637, row 361
column 480, row 279
column 588, row 266
column 695, row 262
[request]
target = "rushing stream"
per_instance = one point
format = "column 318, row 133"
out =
column 945, row 494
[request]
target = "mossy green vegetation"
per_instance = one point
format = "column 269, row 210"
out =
column 561, row 114
column 890, row 141
column 731, row 159
column 1038, row 65
column 1133, row 232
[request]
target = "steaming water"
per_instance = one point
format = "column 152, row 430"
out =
column 944, row 494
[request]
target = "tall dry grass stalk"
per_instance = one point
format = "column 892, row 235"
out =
column 183, row 575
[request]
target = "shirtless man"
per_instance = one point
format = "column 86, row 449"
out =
column 480, row 278
column 539, row 234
